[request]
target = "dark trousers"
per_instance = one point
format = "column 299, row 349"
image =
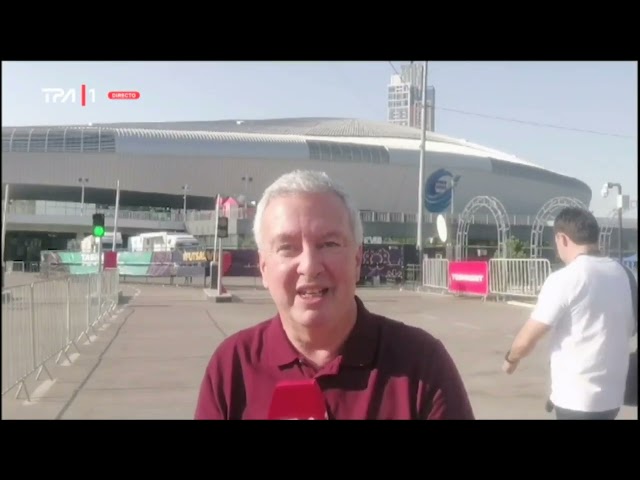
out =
column 564, row 414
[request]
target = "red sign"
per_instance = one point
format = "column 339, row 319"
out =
column 469, row 278
column 110, row 260
column 227, row 259
column 129, row 95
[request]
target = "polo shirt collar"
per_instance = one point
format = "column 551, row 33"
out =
column 359, row 349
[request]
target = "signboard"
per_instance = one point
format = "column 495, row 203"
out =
column 110, row 260
column 469, row 278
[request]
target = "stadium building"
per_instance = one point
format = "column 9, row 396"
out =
column 162, row 166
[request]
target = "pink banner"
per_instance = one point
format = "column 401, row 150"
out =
column 110, row 259
column 470, row 278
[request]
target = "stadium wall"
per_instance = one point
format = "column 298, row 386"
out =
column 379, row 187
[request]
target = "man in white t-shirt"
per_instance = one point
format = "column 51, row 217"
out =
column 587, row 308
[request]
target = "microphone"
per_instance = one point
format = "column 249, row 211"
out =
column 298, row 400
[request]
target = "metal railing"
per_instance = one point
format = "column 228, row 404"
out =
column 435, row 274
column 412, row 275
column 45, row 319
column 21, row 267
column 508, row 277
column 517, row 277
column 73, row 209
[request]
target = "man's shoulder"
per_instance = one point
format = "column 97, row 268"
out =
column 413, row 352
column 404, row 339
column 558, row 279
column 559, row 274
column 245, row 342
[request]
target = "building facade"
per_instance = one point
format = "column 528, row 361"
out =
column 377, row 162
column 404, row 98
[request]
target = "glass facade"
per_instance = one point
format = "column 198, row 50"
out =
column 404, row 98
column 41, row 140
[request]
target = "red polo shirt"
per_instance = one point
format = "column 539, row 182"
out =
column 387, row 370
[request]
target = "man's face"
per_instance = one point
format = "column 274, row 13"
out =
column 309, row 259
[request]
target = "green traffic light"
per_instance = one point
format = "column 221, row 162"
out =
column 98, row 231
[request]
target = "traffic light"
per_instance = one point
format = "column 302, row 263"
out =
column 223, row 227
column 98, row 225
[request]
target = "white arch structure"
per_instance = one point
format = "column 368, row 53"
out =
column 547, row 213
column 502, row 224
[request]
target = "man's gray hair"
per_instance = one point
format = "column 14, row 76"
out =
column 305, row 181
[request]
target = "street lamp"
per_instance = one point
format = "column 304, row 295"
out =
column 452, row 239
column 82, row 183
column 454, row 183
column 5, row 206
column 619, row 205
column 422, row 168
column 246, row 179
column 185, row 188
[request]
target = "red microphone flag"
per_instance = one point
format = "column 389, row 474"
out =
column 298, row 400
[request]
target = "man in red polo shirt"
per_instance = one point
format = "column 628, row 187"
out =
column 309, row 237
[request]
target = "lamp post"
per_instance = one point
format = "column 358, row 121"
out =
column 452, row 238
column 421, row 171
column 246, row 179
column 82, row 181
column 185, row 188
column 5, row 207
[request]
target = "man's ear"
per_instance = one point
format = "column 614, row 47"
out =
column 359, row 255
column 564, row 240
column 263, row 268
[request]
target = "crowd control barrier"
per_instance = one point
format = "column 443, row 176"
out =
column 498, row 278
column 517, row 277
column 44, row 319
column 435, row 274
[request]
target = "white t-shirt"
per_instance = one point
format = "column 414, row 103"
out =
column 588, row 304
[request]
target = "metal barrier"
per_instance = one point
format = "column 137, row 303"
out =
column 435, row 273
column 517, row 277
column 46, row 318
column 508, row 277
column 412, row 277
column 11, row 266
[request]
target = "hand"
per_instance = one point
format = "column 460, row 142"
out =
column 509, row 367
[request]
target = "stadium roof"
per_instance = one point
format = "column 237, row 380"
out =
column 102, row 137
column 314, row 127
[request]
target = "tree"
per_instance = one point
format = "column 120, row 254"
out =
column 516, row 248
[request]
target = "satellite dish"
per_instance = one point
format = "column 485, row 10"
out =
column 441, row 225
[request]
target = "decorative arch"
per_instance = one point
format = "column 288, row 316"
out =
column 547, row 213
column 604, row 239
column 499, row 214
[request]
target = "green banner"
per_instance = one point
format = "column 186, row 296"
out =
column 134, row 258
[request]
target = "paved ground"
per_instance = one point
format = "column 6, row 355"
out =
column 148, row 360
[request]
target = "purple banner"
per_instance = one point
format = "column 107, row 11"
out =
column 384, row 261
column 244, row 263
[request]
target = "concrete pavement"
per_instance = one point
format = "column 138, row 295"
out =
column 147, row 362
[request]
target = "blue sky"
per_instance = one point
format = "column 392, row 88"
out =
column 595, row 96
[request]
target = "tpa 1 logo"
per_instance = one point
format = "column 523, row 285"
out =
column 69, row 95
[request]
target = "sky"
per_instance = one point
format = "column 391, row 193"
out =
column 575, row 118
